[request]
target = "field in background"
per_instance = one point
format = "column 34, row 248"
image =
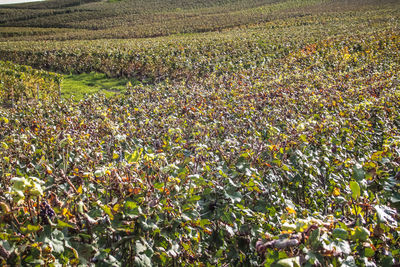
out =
column 90, row 19
column 213, row 133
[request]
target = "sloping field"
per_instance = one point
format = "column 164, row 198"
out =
column 273, row 141
column 138, row 19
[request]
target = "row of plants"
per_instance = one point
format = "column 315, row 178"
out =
column 18, row 82
column 23, row 33
column 106, row 14
column 294, row 163
column 185, row 57
column 138, row 19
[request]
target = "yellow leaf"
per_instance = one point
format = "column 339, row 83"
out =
column 79, row 190
column 290, row 210
column 107, row 210
column 4, row 145
column 336, row 191
column 116, row 207
column 66, row 213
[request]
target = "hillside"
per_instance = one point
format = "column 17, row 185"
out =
column 137, row 18
column 200, row 133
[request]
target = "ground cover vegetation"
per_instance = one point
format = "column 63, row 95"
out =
column 78, row 86
column 272, row 144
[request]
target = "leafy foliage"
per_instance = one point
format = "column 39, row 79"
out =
column 18, row 82
column 187, row 57
column 280, row 153
column 138, row 18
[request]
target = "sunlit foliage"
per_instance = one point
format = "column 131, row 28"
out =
column 275, row 145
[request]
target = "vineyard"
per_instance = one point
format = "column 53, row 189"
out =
column 19, row 82
column 269, row 141
column 137, row 18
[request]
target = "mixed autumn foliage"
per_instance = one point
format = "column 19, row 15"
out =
column 277, row 148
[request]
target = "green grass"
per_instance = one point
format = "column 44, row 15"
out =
column 78, row 85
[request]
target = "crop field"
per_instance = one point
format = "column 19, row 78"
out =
column 200, row 133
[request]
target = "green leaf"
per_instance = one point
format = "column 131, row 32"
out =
column 314, row 239
column 174, row 251
column 360, row 233
column 158, row 185
column 289, row 262
column 132, row 208
column 108, row 211
column 368, row 263
column 358, row 172
column 340, row 246
column 19, row 183
column 285, row 167
column 233, row 196
column 64, row 224
column 355, row 189
column 312, row 258
column 386, row 214
column 340, row 233
column 57, row 241
column 349, row 262
column 229, row 230
column 134, row 157
column 99, row 173
column 140, row 247
column 204, row 222
column 194, row 198
column 130, row 205
column 30, row 228
column 395, row 198
column 387, row 261
column 36, row 190
column 369, row 252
